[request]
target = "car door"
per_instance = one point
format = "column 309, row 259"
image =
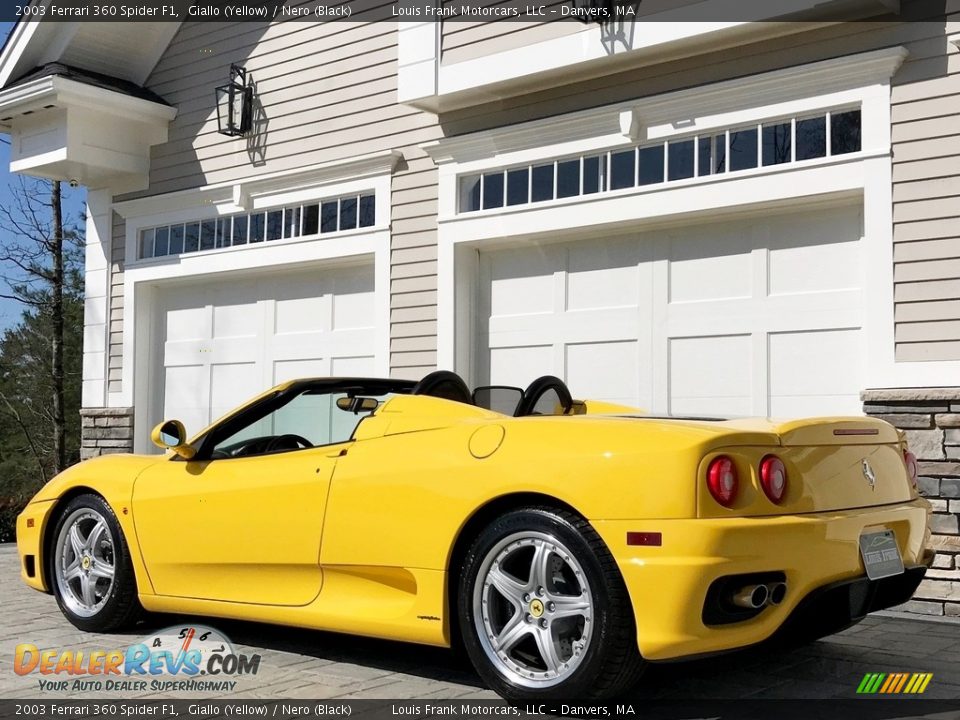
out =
column 243, row 521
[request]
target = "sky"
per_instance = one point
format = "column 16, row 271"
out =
column 74, row 200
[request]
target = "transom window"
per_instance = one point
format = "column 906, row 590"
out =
column 732, row 150
column 325, row 216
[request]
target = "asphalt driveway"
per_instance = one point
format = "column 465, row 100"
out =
column 308, row 664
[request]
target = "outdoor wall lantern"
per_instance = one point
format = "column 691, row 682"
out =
column 234, row 102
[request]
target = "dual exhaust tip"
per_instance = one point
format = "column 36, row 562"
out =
column 754, row 597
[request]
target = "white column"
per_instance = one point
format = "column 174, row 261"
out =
column 96, row 303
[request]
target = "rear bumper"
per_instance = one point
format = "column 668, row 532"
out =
column 834, row 607
column 818, row 555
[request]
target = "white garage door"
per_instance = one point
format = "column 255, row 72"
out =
column 225, row 341
column 757, row 316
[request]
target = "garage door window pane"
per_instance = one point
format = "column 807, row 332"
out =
column 680, row 160
column 623, row 169
column 176, row 240
column 368, row 210
column 845, row 132
column 223, row 232
column 518, row 186
column 311, row 219
column 240, row 230
column 161, row 245
column 469, row 193
column 743, row 149
column 651, row 165
column 208, row 232
column 704, row 156
column 720, row 154
column 493, row 191
column 328, row 216
column 811, row 138
column 191, row 238
column 568, row 178
column 257, row 227
column 291, row 222
column 274, row 224
column 348, row 213
column 777, row 144
column 542, row 183
column 594, row 174
column 146, row 243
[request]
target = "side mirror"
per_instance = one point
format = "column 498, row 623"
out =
column 357, row 404
column 171, row 435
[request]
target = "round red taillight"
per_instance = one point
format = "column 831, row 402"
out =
column 722, row 480
column 773, row 478
column 910, row 460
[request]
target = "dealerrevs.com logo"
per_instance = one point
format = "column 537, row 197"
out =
column 193, row 658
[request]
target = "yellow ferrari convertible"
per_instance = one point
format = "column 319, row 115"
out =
column 563, row 543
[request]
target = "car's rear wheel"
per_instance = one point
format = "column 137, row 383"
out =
column 543, row 609
column 90, row 568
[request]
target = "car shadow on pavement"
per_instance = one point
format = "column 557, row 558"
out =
column 830, row 669
column 408, row 658
column 732, row 675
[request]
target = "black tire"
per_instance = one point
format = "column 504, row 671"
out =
column 610, row 663
column 118, row 607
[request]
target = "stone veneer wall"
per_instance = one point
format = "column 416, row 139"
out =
column 930, row 417
column 105, row 430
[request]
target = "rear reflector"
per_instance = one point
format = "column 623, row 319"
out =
column 910, row 460
column 29, row 522
column 855, row 431
column 645, row 538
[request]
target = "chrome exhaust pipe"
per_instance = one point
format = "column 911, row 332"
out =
column 752, row 597
column 777, row 592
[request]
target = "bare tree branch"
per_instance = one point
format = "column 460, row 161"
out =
column 12, row 412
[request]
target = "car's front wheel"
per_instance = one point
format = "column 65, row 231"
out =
column 90, row 568
column 543, row 609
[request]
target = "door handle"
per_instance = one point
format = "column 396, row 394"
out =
column 339, row 453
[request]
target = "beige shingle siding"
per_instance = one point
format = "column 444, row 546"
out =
column 467, row 40
column 926, row 210
column 328, row 93
column 115, row 306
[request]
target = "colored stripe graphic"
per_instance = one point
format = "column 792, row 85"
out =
column 894, row 683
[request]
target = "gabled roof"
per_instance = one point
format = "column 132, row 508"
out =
column 125, row 51
column 94, row 79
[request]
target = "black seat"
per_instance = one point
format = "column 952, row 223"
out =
column 444, row 384
column 543, row 396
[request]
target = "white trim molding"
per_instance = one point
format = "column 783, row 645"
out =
column 260, row 190
column 439, row 86
column 143, row 278
column 861, row 80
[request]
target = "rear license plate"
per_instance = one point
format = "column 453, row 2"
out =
column 881, row 556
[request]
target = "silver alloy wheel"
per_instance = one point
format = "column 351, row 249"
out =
column 533, row 610
column 84, row 563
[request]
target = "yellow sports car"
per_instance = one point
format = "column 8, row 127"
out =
column 564, row 543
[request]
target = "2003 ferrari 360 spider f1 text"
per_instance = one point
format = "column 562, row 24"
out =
column 564, row 543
